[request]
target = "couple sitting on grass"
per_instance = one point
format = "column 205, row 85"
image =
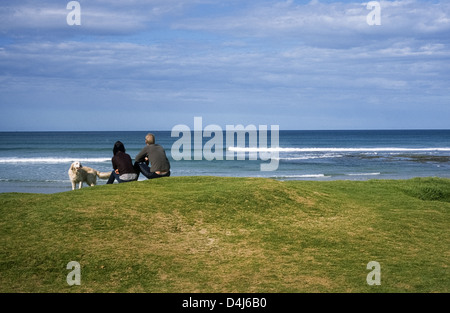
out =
column 153, row 154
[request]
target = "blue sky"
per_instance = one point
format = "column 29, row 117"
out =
column 153, row 64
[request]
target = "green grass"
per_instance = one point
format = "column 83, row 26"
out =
column 210, row 234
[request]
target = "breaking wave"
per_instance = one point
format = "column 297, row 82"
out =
column 45, row 160
column 381, row 149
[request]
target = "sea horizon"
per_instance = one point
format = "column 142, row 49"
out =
column 169, row 130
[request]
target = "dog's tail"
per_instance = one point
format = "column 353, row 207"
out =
column 103, row 175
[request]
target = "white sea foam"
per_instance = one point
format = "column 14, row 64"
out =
column 44, row 160
column 305, row 176
column 363, row 174
column 311, row 157
column 380, row 149
column 34, row 180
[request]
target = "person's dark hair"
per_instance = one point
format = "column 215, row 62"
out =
column 118, row 146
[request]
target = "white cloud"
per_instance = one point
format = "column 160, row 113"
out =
column 330, row 23
column 273, row 58
column 26, row 18
column 323, row 24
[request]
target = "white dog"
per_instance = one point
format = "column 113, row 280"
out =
column 83, row 174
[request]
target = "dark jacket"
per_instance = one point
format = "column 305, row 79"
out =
column 122, row 162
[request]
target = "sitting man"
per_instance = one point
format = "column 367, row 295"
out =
column 156, row 156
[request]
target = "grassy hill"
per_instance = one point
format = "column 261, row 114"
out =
column 211, row 234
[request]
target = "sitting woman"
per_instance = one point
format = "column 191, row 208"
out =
column 123, row 167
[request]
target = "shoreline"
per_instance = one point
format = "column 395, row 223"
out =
column 52, row 188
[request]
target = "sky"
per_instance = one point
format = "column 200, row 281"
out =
column 154, row 64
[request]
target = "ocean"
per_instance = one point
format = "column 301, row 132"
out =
column 37, row 162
